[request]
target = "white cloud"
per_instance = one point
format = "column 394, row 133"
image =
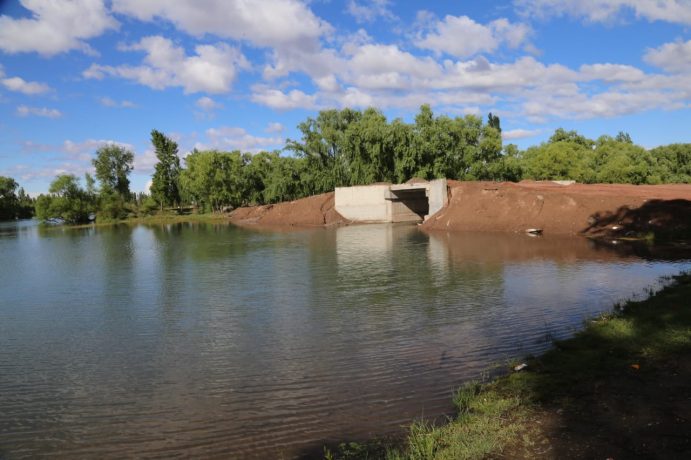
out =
column 673, row 57
column 676, row 11
column 370, row 11
column 208, row 104
column 233, row 138
column 145, row 163
column 55, row 26
column 25, row 111
column 462, row 37
column 611, row 73
column 20, row 85
column 266, row 23
column 277, row 99
column 213, row 69
column 109, row 102
column 274, row 127
column 85, row 150
column 511, row 134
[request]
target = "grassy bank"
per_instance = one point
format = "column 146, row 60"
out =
column 155, row 219
column 618, row 389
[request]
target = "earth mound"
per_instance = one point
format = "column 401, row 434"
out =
column 313, row 211
column 597, row 210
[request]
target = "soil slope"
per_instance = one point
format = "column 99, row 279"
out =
column 595, row 210
column 317, row 210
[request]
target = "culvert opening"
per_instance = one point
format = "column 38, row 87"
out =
column 409, row 205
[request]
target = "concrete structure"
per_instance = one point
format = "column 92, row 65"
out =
column 392, row 203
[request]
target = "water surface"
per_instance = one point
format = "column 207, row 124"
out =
column 212, row 340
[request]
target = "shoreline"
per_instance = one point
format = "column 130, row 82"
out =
column 618, row 388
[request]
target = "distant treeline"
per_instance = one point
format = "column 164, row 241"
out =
column 350, row 147
column 14, row 202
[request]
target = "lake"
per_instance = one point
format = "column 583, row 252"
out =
column 218, row 341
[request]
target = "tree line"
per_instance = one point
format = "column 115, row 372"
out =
column 350, row 147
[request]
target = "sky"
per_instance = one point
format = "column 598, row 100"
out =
column 242, row 74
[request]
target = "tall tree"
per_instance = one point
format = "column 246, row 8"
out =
column 8, row 198
column 494, row 122
column 113, row 164
column 165, row 186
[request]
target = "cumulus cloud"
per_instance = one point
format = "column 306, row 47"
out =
column 676, row 11
column 20, row 85
column 277, row 99
column 212, row 69
column 462, row 37
column 25, row 111
column 274, row 127
column 268, row 23
column 208, row 104
column 145, row 162
column 55, row 27
column 370, row 11
column 234, row 138
column 673, row 57
column 109, row 102
column 512, row 134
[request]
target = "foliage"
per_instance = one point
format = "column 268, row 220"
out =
column 215, row 179
column 350, row 147
column 113, row 164
column 165, row 181
column 66, row 200
column 14, row 202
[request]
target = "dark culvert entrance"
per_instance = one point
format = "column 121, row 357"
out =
column 410, row 205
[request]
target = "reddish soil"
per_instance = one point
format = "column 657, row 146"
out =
column 595, row 210
column 313, row 211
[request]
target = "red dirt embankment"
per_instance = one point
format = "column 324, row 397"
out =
column 595, row 210
column 313, row 211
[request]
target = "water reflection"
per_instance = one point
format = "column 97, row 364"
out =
column 212, row 340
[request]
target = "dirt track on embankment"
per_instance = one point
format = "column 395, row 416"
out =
column 597, row 210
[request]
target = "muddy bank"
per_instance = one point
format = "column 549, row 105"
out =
column 599, row 210
column 313, row 211
column 596, row 210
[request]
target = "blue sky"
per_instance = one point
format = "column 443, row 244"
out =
column 241, row 74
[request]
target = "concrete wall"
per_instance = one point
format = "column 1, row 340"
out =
column 438, row 195
column 391, row 203
column 365, row 203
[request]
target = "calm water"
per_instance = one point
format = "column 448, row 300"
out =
column 211, row 340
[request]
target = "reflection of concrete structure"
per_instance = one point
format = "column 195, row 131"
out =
column 392, row 203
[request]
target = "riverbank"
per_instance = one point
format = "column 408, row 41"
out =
column 313, row 211
column 618, row 389
column 599, row 211
column 593, row 210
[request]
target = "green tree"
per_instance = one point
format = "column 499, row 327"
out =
column 165, row 181
column 8, row 198
column 215, row 180
column 623, row 137
column 494, row 122
column 66, row 200
column 113, row 165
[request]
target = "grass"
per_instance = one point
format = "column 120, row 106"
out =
column 155, row 219
column 610, row 391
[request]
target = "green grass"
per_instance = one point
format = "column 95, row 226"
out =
column 155, row 219
column 501, row 413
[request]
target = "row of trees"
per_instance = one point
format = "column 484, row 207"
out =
column 350, row 147
column 14, row 202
